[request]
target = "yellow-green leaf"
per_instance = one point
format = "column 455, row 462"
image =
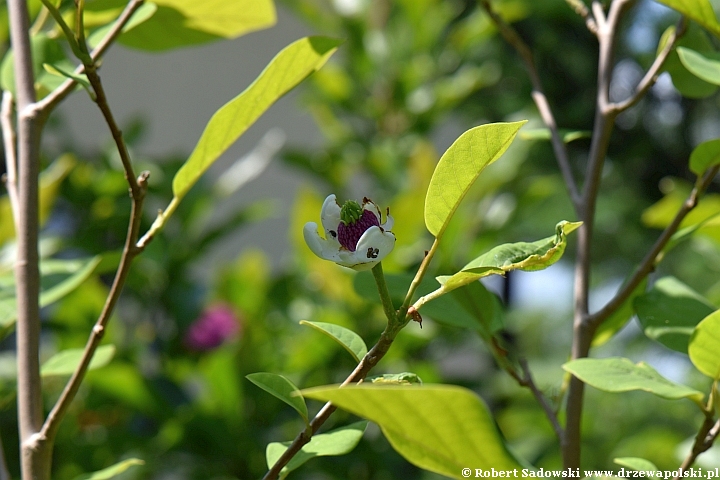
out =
column 349, row 340
column 282, row 389
column 178, row 23
column 66, row 361
column 285, row 71
column 699, row 10
column 703, row 348
column 460, row 165
column 112, row 471
column 440, row 428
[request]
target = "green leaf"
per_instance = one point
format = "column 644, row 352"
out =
column 44, row 50
column 669, row 312
column 285, row 71
column 65, row 362
column 111, row 472
column 351, row 341
column 637, row 464
column 617, row 374
column 62, row 72
column 687, row 83
column 458, row 168
column 619, row 318
column 513, row 256
column 707, row 154
column 473, row 307
column 440, row 428
column 57, row 279
column 705, row 68
column 142, row 14
column 281, row 388
column 334, row 443
column 699, row 10
column 179, row 23
column 405, row 378
column 544, row 134
column 703, row 348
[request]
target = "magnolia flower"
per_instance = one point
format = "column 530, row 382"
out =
column 354, row 236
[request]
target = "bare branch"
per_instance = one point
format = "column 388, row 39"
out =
column 9, row 142
column 527, row 381
column 579, row 7
column 653, row 72
column 648, row 263
column 703, row 441
column 538, row 95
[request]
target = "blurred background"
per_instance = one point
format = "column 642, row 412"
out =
column 220, row 293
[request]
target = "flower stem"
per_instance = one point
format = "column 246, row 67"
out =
column 388, row 307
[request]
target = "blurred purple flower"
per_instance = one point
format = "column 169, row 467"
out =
column 217, row 324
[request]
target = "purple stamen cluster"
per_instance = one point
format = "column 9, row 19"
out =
column 349, row 235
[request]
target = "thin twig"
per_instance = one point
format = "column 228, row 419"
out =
column 579, row 7
column 527, row 381
column 538, row 95
column 130, row 251
column 9, row 142
column 648, row 263
column 705, row 438
column 653, row 72
column 603, row 124
column 47, row 104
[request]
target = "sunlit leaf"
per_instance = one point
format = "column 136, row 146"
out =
column 669, row 312
column 637, row 464
column 66, row 361
column 112, row 471
column 699, row 10
column 141, row 15
column 350, row 341
column 178, row 23
column 544, row 134
column 441, row 428
column 61, row 72
column 618, row 374
column 513, row 256
column 458, row 168
column 405, row 378
column 281, row 388
column 688, row 84
column 336, row 442
column 703, row 348
column 707, row 154
column 286, row 70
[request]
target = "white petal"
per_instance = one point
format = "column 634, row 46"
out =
column 330, row 217
column 389, row 222
column 319, row 246
column 374, row 245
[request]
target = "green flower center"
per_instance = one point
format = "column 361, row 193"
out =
column 350, row 212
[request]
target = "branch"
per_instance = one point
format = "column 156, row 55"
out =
column 527, row 381
column 34, row 463
column 579, row 7
column 138, row 189
column 648, row 263
column 603, row 124
column 47, row 104
column 703, row 441
column 9, row 142
column 653, row 72
column 538, row 95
